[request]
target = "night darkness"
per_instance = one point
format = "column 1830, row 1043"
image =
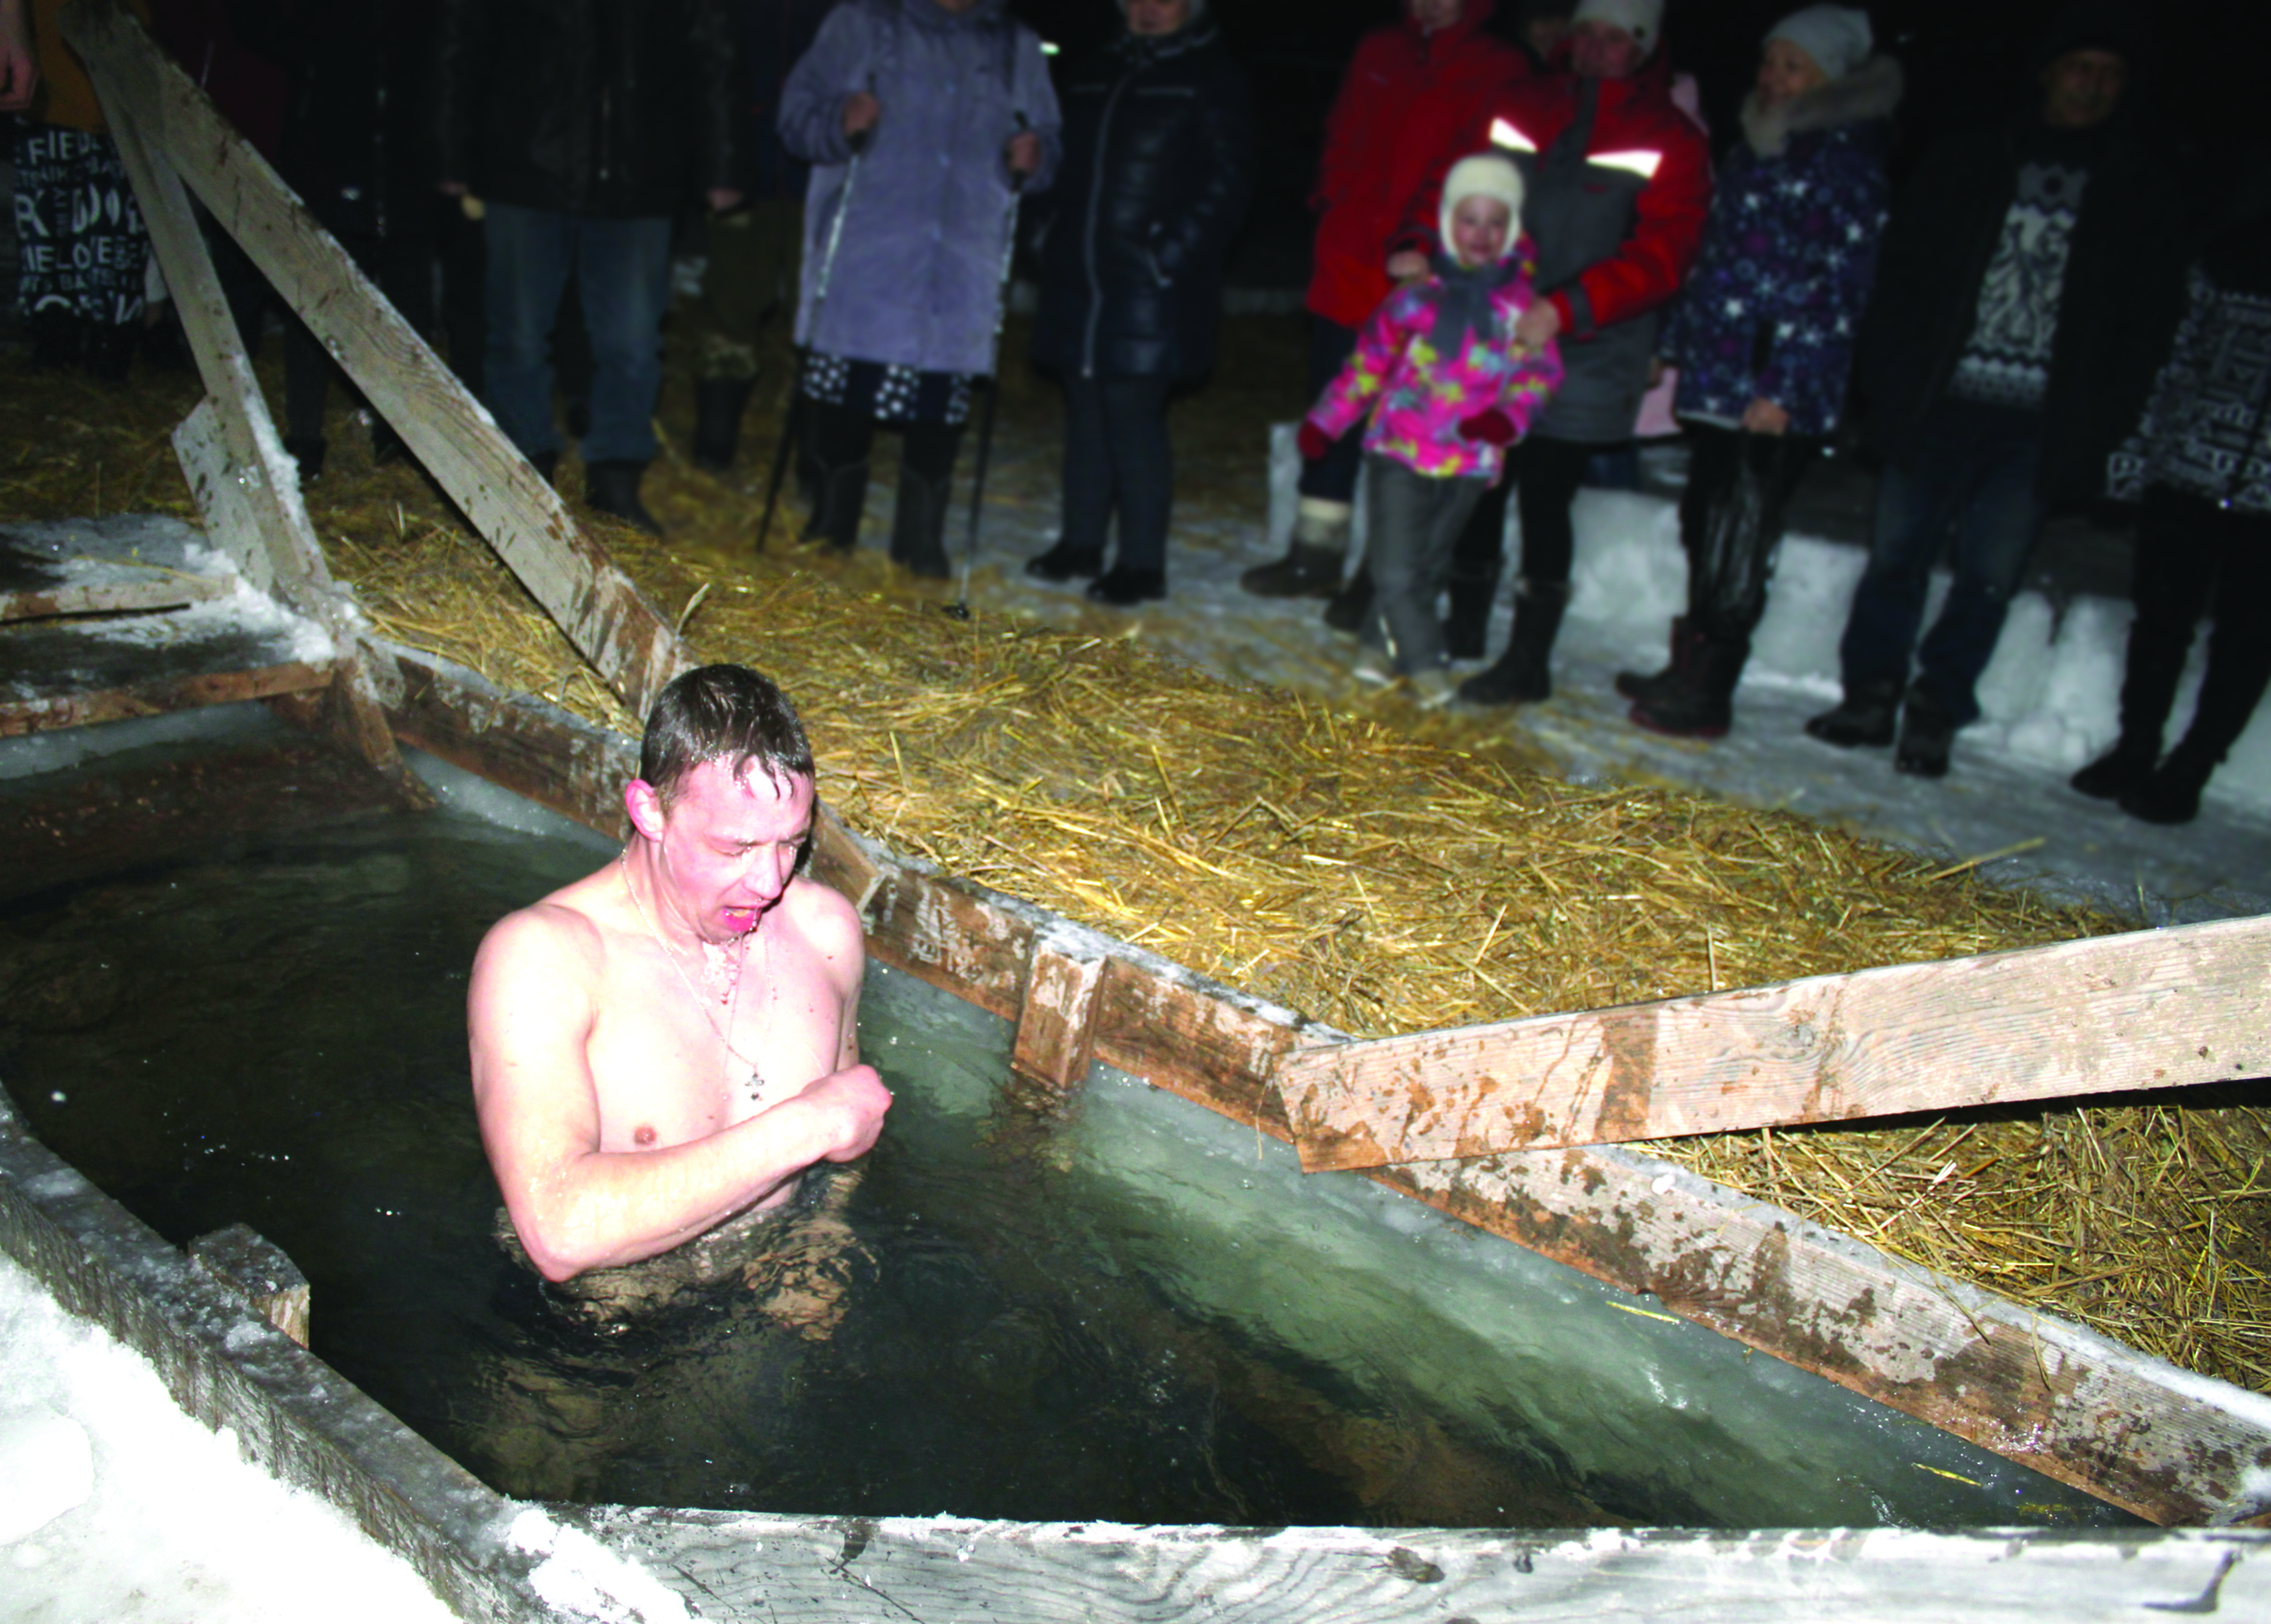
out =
column 2196, row 92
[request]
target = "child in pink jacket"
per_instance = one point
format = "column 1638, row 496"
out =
column 1449, row 390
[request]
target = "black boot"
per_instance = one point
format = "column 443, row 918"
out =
column 1867, row 715
column 1701, row 702
column 837, row 443
column 1928, row 734
column 1351, row 605
column 2172, row 794
column 1523, row 672
column 1664, row 684
column 919, row 523
column 1066, row 561
column 612, row 488
column 2120, row 770
column 1122, row 588
column 718, row 404
column 1467, row 629
column 309, row 452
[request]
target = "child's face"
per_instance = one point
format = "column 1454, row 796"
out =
column 1479, row 226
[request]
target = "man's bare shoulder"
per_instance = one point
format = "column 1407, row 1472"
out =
column 828, row 922
column 561, row 933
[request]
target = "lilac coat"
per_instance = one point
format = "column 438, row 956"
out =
column 917, row 275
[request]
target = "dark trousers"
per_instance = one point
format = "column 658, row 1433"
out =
column 2189, row 548
column 1117, row 456
column 622, row 271
column 1973, row 479
column 1544, row 476
column 1411, row 524
column 1731, row 521
column 1332, row 477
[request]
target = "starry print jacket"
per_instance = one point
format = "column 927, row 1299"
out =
column 1418, row 398
column 1773, row 304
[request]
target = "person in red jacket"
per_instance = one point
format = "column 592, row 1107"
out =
column 1620, row 187
column 1411, row 96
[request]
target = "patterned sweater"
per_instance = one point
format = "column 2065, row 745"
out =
column 1422, row 397
column 2205, row 430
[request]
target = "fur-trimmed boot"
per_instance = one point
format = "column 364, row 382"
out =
column 1312, row 564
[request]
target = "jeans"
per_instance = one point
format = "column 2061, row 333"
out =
column 1974, row 473
column 622, row 271
column 1411, row 524
column 1332, row 477
column 1118, row 455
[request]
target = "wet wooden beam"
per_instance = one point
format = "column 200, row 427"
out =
column 72, row 673
column 598, row 607
column 260, row 1272
column 805, row 1571
column 1057, row 1024
column 246, row 485
column 2113, row 1015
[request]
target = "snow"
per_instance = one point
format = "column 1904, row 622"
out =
column 170, row 1526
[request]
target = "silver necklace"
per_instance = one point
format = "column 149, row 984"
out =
column 754, row 1085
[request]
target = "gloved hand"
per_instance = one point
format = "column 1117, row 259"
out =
column 1311, row 440
column 1493, row 425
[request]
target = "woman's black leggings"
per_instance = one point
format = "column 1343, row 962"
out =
column 1118, row 455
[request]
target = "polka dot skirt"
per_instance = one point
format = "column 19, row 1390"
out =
column 889, row 394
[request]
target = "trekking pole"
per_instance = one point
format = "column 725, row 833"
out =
column 960, row 608
column 792, row 429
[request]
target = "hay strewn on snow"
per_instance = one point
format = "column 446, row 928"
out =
column 1376, row 870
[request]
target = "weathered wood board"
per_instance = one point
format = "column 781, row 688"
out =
column 69, row 673
column 2153, row 1009
column 2168, row 1446
column 99, row 567
column 227, row 1366
column 944, row 1570
column 597, row 606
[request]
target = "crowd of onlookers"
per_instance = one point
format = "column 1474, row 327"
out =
column 1524, row 257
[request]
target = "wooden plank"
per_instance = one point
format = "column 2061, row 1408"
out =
column 289, row 1411
column 70, row 673
column 2153, row 1009
column 98, row 566
column 1056, row 1026
column 234, row 457
column 598, row 607
column 735, row 1566
column 2171, row 1447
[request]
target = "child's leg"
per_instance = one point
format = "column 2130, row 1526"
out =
column 1413, row 523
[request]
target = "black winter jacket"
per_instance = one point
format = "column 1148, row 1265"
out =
column 2123, row 280
column 358, row 138
column 619, row 109
column 1158, row 166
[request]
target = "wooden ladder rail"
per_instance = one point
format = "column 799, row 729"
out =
column 171, row 135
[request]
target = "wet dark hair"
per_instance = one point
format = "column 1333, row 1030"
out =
column 724, row 713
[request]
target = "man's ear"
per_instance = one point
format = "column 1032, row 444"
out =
column 646, row 808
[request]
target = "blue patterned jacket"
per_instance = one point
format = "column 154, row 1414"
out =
column 1773, row 304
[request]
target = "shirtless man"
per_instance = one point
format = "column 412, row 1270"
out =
column 670, row 1042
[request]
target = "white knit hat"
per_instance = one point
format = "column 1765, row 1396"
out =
column 1483, row 174
column 1643, row 19
column 1837, row 37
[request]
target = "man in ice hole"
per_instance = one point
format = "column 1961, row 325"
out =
column 670, row 1042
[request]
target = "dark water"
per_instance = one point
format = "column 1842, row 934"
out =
column 1134, row 1313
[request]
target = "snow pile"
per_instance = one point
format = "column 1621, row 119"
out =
column 169, row 1526
column 2051, row 695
